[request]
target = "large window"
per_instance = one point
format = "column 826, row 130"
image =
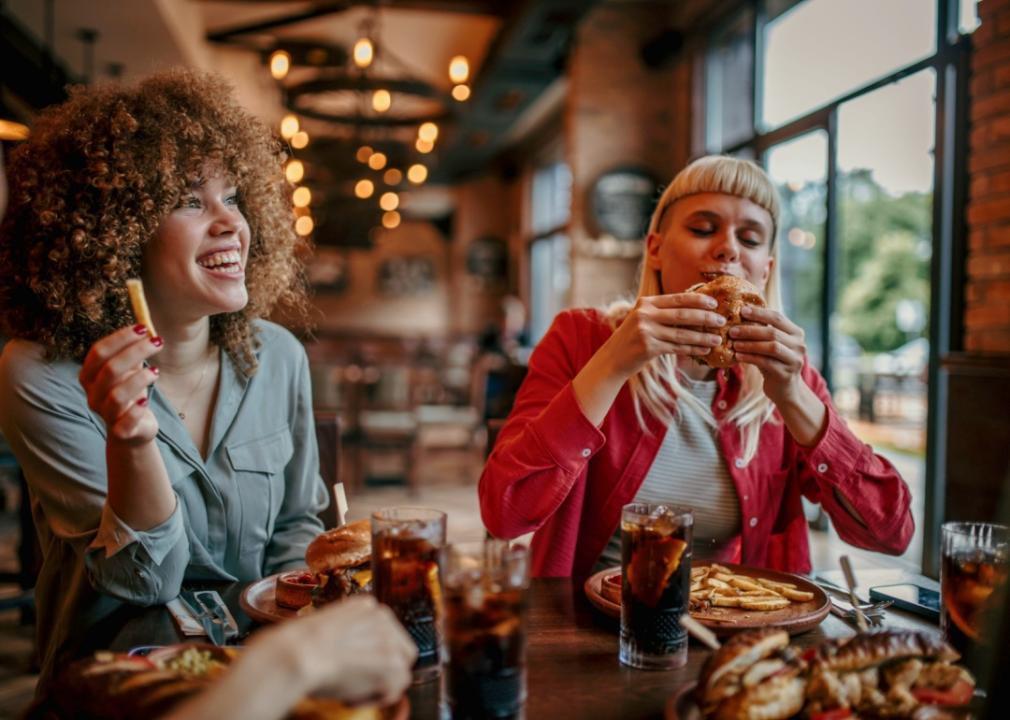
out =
column 550, row 273
column 855, row 109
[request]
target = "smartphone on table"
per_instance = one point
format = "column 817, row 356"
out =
column 909, row 596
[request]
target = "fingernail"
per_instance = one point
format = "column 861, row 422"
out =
column 711, row 301
column 720, row 321
column 157, row 341
column 140, row 329
column 142, row 402
column 733, row 332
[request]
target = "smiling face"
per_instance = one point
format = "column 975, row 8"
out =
column 706, row 235
column 194, row 266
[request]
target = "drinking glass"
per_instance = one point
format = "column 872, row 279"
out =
column 975, row 562
column 486, row 600
column 407, row 543
column 655, row 585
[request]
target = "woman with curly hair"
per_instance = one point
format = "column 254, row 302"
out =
column 153, row 460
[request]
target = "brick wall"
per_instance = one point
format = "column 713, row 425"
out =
column 619, row 112
column 987, row 307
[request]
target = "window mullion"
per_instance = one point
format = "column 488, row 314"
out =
column 831, row 247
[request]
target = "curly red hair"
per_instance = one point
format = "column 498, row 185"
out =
column 93, row 183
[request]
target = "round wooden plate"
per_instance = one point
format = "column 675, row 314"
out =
column 681, row 705
column 797, row 618
column 259, row 603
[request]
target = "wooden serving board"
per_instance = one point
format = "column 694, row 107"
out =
column 795, row 619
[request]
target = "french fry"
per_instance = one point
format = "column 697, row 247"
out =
column 763, row 603
column 140, row 310
column 744, row 584
column 798, row 595
column 775, row 584
column 717, row 586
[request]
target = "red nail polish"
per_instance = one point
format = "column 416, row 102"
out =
column 157, row 341
column 140, row 329
column 142, row 402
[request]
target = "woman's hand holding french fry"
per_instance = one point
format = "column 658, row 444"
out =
column 115, row 380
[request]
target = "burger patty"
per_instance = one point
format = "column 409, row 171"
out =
column 337, row 584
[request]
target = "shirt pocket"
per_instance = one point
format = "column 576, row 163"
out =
column 259, row 465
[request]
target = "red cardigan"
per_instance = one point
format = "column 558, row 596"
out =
column 553, row 472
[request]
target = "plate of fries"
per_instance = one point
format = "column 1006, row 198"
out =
column 727, row 597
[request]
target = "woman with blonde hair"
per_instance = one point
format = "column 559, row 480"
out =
column 615, row 408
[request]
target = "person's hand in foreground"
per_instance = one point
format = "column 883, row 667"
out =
column 354, row 650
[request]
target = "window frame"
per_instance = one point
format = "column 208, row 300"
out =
column 951, row 64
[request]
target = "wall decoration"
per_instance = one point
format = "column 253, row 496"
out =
column 329, row 270
column 621, row 201
column 409, row 275
column 487, row 262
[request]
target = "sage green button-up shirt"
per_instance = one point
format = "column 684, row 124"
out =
column 247, row 510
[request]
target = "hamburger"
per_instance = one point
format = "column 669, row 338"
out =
column 341, row 559
column 732, row 294
column 892, row 674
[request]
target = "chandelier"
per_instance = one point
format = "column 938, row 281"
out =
column 391, row 117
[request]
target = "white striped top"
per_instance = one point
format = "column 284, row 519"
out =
column 690, row 470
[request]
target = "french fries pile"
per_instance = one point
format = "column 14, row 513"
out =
column 717, row 586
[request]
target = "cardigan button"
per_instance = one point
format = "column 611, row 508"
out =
column 586, row 452
column 822, row 468
column 721, row 404
column 739, row 463
column 753, row 522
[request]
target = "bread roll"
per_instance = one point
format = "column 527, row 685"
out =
column 732, row 294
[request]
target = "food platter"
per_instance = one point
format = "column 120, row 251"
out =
column 798, row 617
column 259, row 601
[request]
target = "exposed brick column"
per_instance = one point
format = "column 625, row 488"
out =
column 987, row 292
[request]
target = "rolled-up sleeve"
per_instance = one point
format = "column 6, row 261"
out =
column 145, row 567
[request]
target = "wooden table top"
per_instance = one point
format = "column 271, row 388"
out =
column 572, row 665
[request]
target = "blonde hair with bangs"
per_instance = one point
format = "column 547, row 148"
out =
column 657, row 386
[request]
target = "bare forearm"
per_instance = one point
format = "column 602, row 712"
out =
column 140, row 492
column 259, row 687
column 596, row 387
column 805, row 414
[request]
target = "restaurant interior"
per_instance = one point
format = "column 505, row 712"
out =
column 464, row 170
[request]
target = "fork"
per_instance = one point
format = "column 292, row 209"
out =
column 873, row 612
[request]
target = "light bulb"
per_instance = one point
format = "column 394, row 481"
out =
column 301, row 197
column 289, row 126
column 304, row 225
column 428, row 131
column 294, row 171
column 461, row 93
column 377, row 161
column 364, row 152
column 417, row 173
column 300, row 140
column 459, row 69
column 364, row 189
column 424, row 146
column 381, row 101
column 280, row 63
column 390, row 219
column 389, row 201
column 364, row 52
